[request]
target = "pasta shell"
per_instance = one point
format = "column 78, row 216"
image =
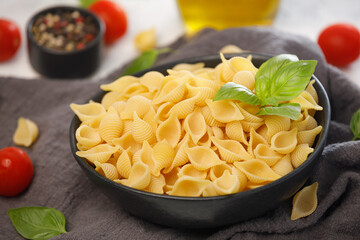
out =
column 308, row 123
column 245, row 78
column 120, row 84
column 209, row 190
column 170, row 130
column 242, row 64
column 305, row 202
column 263, row 131
column 183, row 108
column 203, row 82
column 100, row 153
column 191, row 171
column 312, row 91
column 163, row 111
column 106, row 169
column 247, row 126
column 257, row 171
column 170, row 178
column 111, row 126
column 138, row 104
column 254, row 140
column 139, row 177
column 188, row 66
column 306, row 101
column 230, row 49
column 110, row 98
column 145, row 40
column 127, row 125
column 147, row 156
column 284, row 142
column 241, row 176
column 267, row 154
column 189, row 187
column 152, row 80
column 171, row 92
column 181, row 157
column 209, row 119
column 205, row 139
column 249, row 117
column 127, row 141
column 227, row 184
column 87, row 136
column 195, row 125
column 202, row 157
column 300, row 154
column 119, row 106
column 142, row 131
column 134, row 89
column 88, row 111
column 200, row 94
column 123, row 164
column 227, row 70
column 224, row 110
column 283, row 166
column 163, row 156
column 276, row 124
column 308, row 136
column 157, row 184
column 218, row 170
column 230, row 150
column 218, row 133
column 234, row 131
column 26, row 132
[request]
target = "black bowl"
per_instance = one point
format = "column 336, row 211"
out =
column 62, row 64
column 209, row 212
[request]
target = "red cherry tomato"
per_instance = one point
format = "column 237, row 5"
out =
column 340, row 44
column 114, row 18
column 10, row 39
column 16, row 171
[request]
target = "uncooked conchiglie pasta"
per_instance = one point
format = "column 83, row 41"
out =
column 139, row 177
column 257, row 171
column 26, row 132
column 195, row 125
column 203, row 158
column 191, row 171
column 224, row 111
column 100, row 153
column 145, row 40
column 227, row 184
column 189, row 187
column 107, row 170
column 305, row 202
column 284, row 142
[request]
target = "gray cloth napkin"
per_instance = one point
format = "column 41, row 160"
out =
column 60, row 183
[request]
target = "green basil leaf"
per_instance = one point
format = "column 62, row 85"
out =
column 290, row 110
column 291, row 80
column 144, row 61
column 355, row 124
column 86, row 3
column 265, row 75
column 235, row 91
column 37, row 222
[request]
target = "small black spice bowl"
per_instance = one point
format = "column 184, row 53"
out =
column 79, row 58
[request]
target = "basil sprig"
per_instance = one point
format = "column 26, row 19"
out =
column 37, row 222
column 355, row 125
column 279, row 79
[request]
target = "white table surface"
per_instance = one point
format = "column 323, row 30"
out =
column 306, row 17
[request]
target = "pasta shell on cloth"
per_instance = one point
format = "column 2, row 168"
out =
column 245, row 78
column 202, row 157
column 152, row 80
column 284, row 142
column 123, row 164
column 254, row 140
column 163, row 155
column 107, row 170
column 183, row 108
column 195, row 125
column 283, row 166
column 127, row 141
column 26, row 132
column 88, row 111
column 304, row 124
column 170, row 130
column 138, row 104
column 189, row 187
column 189, row 66
column 310, row 89
column 142, row 131
column 224, row 110
column 306, row 101
column 231, row 150
column 157, row 184
column 305, row 202
column 234, row 131
column 267, row 154
column 218, row 170
column 111, row 126
column 257, row 171
column 87, row 136
column 111, row 97
column 227, row 184
column 100, row 153
column 191, row 171
column 308, row 136
column 300, row 154
column 276, row 124
column 209, row 119
column 200, row 94
column 120, row 84
column 139, row 177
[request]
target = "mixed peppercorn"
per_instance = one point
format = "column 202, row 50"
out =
column 64, row 30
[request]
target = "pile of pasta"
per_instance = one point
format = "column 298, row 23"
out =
column 164, row 134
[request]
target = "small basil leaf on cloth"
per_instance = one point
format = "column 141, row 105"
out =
column 355, row 124
column 37, row 222
column 290, row 110
column 291, row 80
column 235, row 91
column 144, row 61
column 265, row 75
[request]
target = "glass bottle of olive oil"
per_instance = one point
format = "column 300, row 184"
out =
column 220, row 14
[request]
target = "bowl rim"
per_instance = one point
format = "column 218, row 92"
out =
column 320, row 142
column 98, row 38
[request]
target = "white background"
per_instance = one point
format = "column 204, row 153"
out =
column 305, row 17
